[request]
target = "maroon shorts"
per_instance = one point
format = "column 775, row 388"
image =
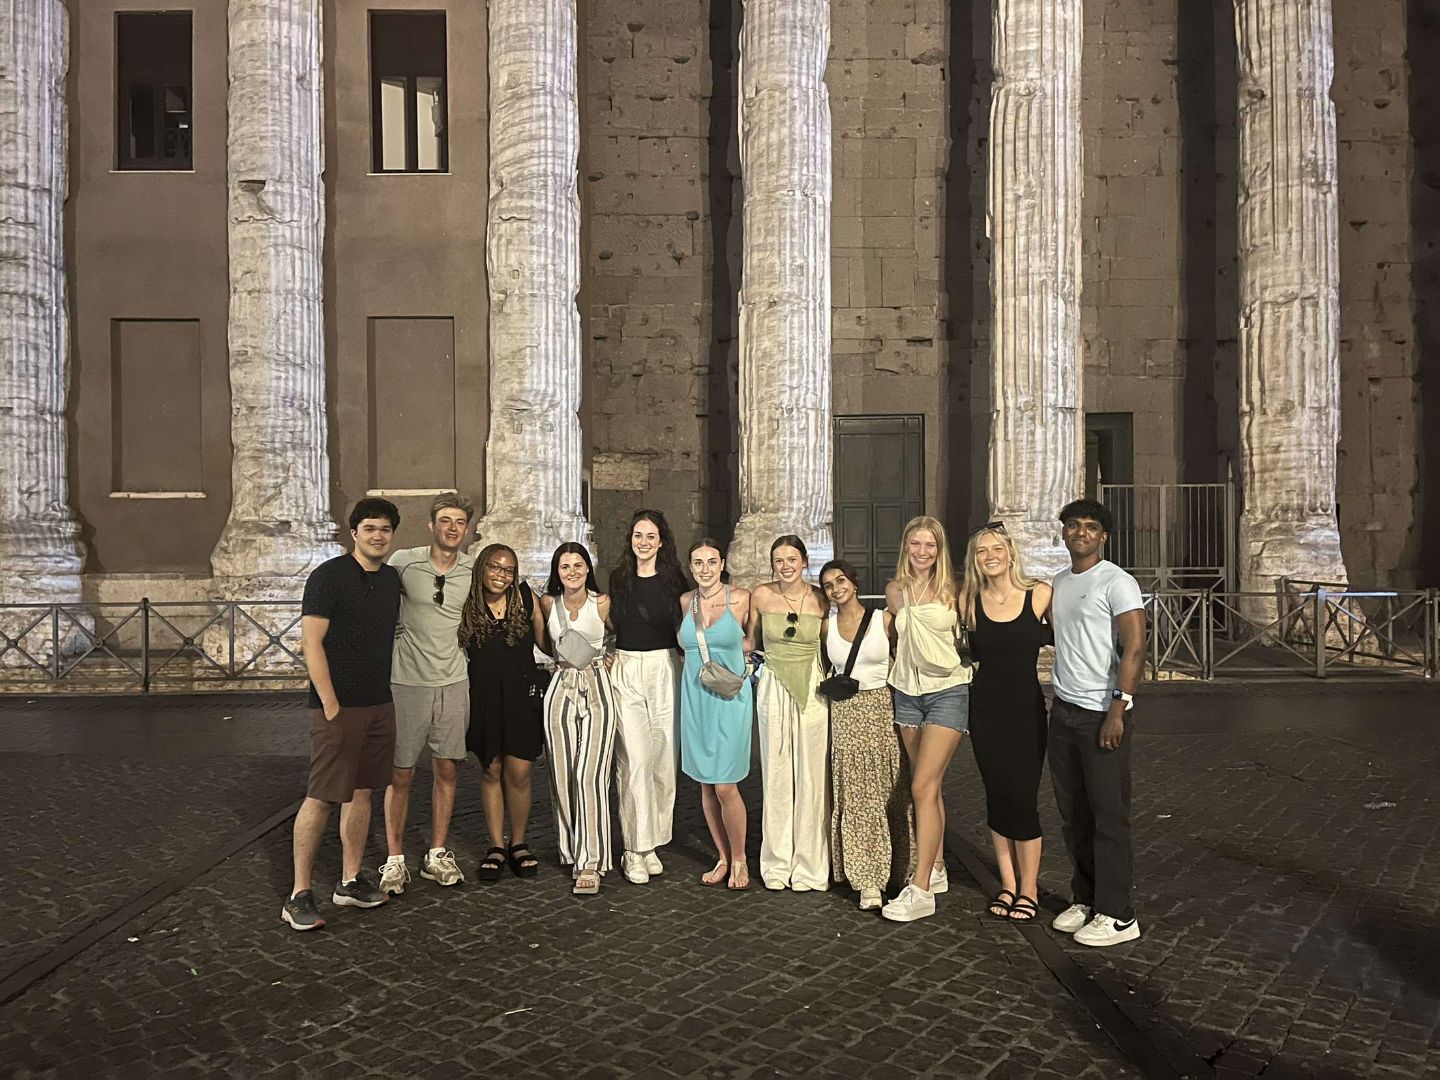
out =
column 353, row 752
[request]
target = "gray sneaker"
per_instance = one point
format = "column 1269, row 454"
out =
column 442, row 868
column 359, row 892
column 299, row 911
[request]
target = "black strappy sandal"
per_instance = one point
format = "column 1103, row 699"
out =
column 1024, row 909
column 522, row 861
column 997, row 902
column 491, row 866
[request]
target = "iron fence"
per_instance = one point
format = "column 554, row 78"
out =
column 1173, row 536
column 1304, row 628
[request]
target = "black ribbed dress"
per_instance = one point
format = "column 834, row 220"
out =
column 1007, row 718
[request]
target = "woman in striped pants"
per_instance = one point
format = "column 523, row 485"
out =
column 579, row 716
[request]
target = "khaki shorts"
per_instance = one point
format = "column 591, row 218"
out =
column 436, row 716
column 354, row 752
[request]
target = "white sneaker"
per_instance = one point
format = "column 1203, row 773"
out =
column 870, row 899
column 632, row 865
column 653, row 865
column 393, row 876
column 911, row 904
column 441, row 868
column 1071, row 919
column 939, row 879
column 1103, row 930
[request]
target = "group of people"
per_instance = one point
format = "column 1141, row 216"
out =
column 857, row 710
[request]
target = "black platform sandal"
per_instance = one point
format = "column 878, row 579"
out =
column 1024, row 909
column 522, row 862
column 1005, row 906
column 491, row 866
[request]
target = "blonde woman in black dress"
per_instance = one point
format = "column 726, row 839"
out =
column 1005, row 610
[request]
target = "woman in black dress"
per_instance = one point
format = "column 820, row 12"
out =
column 1005, row 610
column 499, row 628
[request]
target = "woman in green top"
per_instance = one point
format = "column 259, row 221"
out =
column 785, row 618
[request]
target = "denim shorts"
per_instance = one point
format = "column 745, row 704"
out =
column 948, row 708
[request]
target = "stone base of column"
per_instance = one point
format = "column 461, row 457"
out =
column 272, row 550
column 748, row 558
column 255, row 652
column 535, row 541
column 1042, row 554
column 1300, row 550
column 40, row 565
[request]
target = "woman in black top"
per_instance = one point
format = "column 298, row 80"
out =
column 499, row 629
column 644, row 675
column 1004, row 609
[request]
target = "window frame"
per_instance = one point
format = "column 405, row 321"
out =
column 380, row 73
column 159, row 82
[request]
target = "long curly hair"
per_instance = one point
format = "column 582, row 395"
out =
column 667, row 568
column 477, row 624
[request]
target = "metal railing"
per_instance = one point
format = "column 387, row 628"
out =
column 1193, row 634
column 146, row 646
column 1173, row 536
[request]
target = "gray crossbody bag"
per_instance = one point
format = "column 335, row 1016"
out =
column 715, row 676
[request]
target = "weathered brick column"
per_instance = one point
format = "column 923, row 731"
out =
column 279, row 525
column 1289, row 294
column 533, row 456
column 40, row 552
column 1036, row 433
column 785, row 437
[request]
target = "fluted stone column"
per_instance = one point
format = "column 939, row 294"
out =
column 785, row 438
column 40, row 552
column 1033, row 213
column 1289, row 294
column 533, row 456
column 279, row 525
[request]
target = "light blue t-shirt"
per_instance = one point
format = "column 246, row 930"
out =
column 1083, row 613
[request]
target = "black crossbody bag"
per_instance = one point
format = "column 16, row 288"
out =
column 842, row 687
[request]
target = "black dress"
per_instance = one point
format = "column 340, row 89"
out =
column 1007, row 718
column 507, row 692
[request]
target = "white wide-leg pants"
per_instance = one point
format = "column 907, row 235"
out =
column 794, row 753
column 646, row 687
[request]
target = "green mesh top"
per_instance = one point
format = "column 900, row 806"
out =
column 793, row 660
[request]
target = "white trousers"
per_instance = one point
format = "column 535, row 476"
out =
column 794, row 753
column 646, row 687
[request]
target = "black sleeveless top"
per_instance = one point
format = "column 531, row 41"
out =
column 1006, row 653
column 646, row 621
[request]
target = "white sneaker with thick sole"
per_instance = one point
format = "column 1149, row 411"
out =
column 394, row 876
column 1102, row 930
column 632, row 865
column 1071, row 919
column 870, row 899
column 653, row 865
column 939, row 880
column 441, row 868
column 911, row 904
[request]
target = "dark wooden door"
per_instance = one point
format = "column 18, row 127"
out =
column 879, row 486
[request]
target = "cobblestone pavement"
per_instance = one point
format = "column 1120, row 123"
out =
column 1288, row 929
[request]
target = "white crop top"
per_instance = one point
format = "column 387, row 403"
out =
column 872, row 666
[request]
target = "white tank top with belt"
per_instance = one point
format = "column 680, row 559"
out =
column 582, row 687
column 872, row 663
column 588, row 623
column 926, row 659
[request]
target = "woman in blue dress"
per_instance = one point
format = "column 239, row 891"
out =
column 714, row 730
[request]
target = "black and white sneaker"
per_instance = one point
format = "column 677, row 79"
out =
column 1103, row 930
column 359, row 892
column 299, row 911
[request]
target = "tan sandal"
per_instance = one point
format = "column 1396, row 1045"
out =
column 716, row 876
column 740, row 876
column 587, row 883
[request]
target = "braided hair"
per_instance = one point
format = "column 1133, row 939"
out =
column 477, row 624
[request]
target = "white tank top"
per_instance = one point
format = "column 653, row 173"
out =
column 588, row 622
column 872, row 665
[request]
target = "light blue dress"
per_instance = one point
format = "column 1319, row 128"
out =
column 715, row 731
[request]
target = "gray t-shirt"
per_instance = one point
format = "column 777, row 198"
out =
column 1083, row 614
column 427, row 643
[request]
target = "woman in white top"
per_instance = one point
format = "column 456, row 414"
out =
column 579, row 716
column 932, row 698
column 870, row 822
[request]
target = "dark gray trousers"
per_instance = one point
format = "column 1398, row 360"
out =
column 1092, row 792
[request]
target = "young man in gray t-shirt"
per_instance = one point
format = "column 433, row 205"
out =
column 430, row 686
column 1098, row 615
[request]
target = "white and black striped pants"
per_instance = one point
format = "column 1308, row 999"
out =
column 580, row 745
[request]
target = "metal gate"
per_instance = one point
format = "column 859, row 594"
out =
column 1173, row 536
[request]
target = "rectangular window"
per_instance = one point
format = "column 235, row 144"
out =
column 408, row 127
column 152, row 90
